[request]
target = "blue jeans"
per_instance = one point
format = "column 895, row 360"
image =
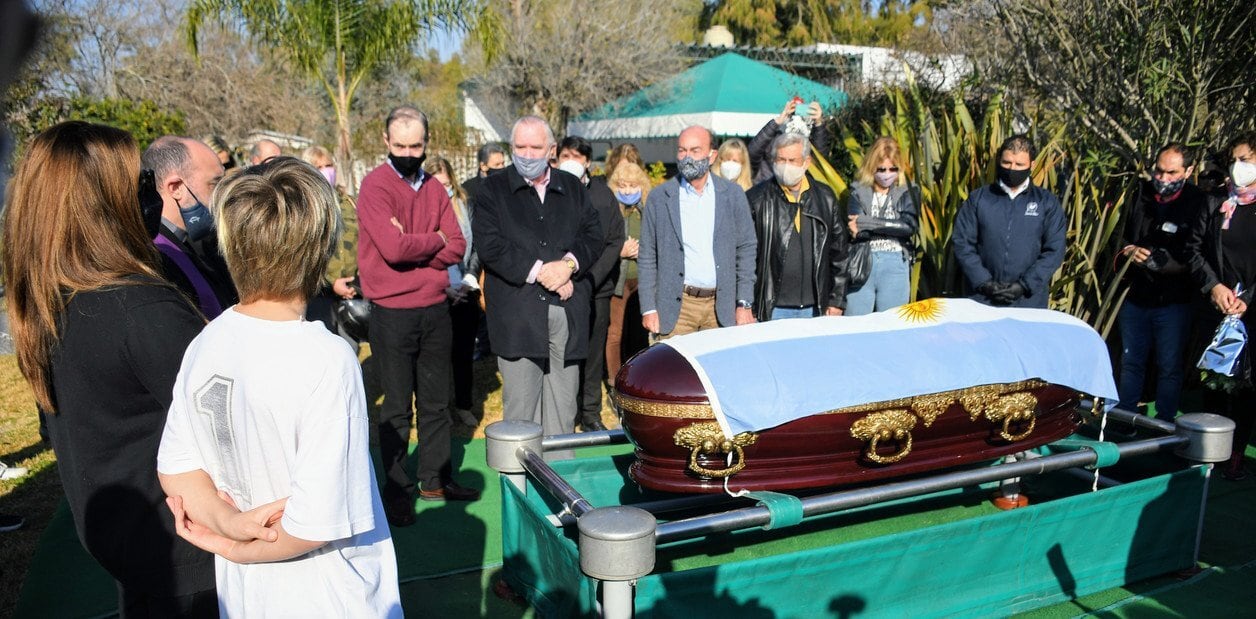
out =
column 781, row 313
column 1165, row 329
column 889, row 285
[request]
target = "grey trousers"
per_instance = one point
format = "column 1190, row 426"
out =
column 543, row 390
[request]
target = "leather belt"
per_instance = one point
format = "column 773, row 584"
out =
column 699, row 293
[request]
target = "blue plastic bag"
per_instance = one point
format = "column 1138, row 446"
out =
column 1224, row 354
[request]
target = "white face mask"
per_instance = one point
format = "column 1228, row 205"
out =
column 730, row 169
column 787, row 174
column 1243, row 173
column 572, row 167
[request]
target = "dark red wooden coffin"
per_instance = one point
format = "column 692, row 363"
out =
column 680, row 447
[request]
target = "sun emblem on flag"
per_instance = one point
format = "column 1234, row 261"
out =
column 925, row 310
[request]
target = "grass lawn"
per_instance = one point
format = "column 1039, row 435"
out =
column 36, row 495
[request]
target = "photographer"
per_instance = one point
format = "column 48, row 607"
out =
column 1157, row 312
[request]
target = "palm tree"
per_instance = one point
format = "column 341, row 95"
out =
column 337, row 43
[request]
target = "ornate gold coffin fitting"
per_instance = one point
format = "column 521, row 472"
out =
column 1009, row 405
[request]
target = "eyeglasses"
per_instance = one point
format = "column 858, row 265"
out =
column 884, row 170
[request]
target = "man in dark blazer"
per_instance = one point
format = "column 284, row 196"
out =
column 696, row 264
column 537, row 236
column 186, row 172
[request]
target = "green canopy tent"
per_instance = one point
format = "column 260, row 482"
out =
column 730, row 94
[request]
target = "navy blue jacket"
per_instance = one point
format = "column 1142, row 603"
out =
column 1010, row 240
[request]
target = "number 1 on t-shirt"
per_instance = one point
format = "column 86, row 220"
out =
column 214, row 400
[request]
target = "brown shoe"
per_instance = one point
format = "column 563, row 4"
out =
column 451, row 492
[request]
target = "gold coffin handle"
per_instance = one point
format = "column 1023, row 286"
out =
column 889, row 425
column 1014, row 408
column 706, row 439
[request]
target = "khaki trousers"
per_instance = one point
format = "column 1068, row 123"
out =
column 695, row 315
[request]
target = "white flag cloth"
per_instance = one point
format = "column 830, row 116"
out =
column 763, row 375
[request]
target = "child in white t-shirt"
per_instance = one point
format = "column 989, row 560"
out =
column 269, row 415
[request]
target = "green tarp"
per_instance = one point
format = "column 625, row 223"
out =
column 877, row 563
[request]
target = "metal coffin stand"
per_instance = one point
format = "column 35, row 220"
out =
column 569, row 557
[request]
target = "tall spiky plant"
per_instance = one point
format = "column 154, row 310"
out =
column 948, row 155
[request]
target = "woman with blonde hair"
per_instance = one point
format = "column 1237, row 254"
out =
column 342, row 268
column 463, row 292
column 883, row 211
column 626, row 152
column 99, row 336
column 624, row 338
column 734, row 163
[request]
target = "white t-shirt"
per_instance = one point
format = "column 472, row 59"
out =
column 274, row 409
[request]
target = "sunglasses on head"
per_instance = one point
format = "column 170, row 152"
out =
column 884, row 170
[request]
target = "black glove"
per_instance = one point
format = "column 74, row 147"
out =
column 988, row 289
column 1008, row 294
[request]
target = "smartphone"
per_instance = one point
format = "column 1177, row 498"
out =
column 150, row 202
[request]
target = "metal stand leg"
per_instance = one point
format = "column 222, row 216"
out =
column 617, row 547
column 1009, row 496
column 617, row 599
column 1209, row 441
column 504, row 441
column 1203, row 505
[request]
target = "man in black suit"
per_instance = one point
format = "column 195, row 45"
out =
column 574, row 154
column 537, row 236
column 186, row 172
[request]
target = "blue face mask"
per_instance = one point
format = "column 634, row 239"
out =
column 628, row 199
column 197, row 219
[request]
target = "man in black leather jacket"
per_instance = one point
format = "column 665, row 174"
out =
column 801, row 258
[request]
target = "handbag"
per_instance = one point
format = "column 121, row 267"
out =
column 859, row 264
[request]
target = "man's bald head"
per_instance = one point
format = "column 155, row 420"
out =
column 694, row 132
column 186, row 171
column 263, row 151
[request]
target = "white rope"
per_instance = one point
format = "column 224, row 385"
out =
column 1103, row 424
column 728, row 463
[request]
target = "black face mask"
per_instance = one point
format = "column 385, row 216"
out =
column 407, row 166
column 150, row 203
column 1012, row 178
column 494, row 171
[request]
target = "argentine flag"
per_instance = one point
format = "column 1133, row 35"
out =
column 763, row 375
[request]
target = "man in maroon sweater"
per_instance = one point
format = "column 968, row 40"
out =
column 408, row 237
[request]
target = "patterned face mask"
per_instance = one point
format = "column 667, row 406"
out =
column 693, row 169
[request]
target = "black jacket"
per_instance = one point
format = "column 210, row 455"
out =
column 511, row 230
column 1000, row 238
column 205, row 256
column 1163, row 229
column 904, row 201
column 1204, row 251
column 605, row 272
column 112, row 372
column 773, row 216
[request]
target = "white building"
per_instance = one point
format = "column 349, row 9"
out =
column 882, row 66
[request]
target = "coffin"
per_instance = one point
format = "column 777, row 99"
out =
column 834, row 401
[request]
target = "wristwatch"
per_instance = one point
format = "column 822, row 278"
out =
column 744, row 304
column 571, row 264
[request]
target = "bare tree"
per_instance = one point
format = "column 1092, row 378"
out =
column 568, row 56
column 1129, row 75
column 230, row 90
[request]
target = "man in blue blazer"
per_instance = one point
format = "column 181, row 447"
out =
column 696, row 262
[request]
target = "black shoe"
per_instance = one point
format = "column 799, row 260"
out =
column 11, row 522
column 400, row 511
column 592, row 425
column 450, row 492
